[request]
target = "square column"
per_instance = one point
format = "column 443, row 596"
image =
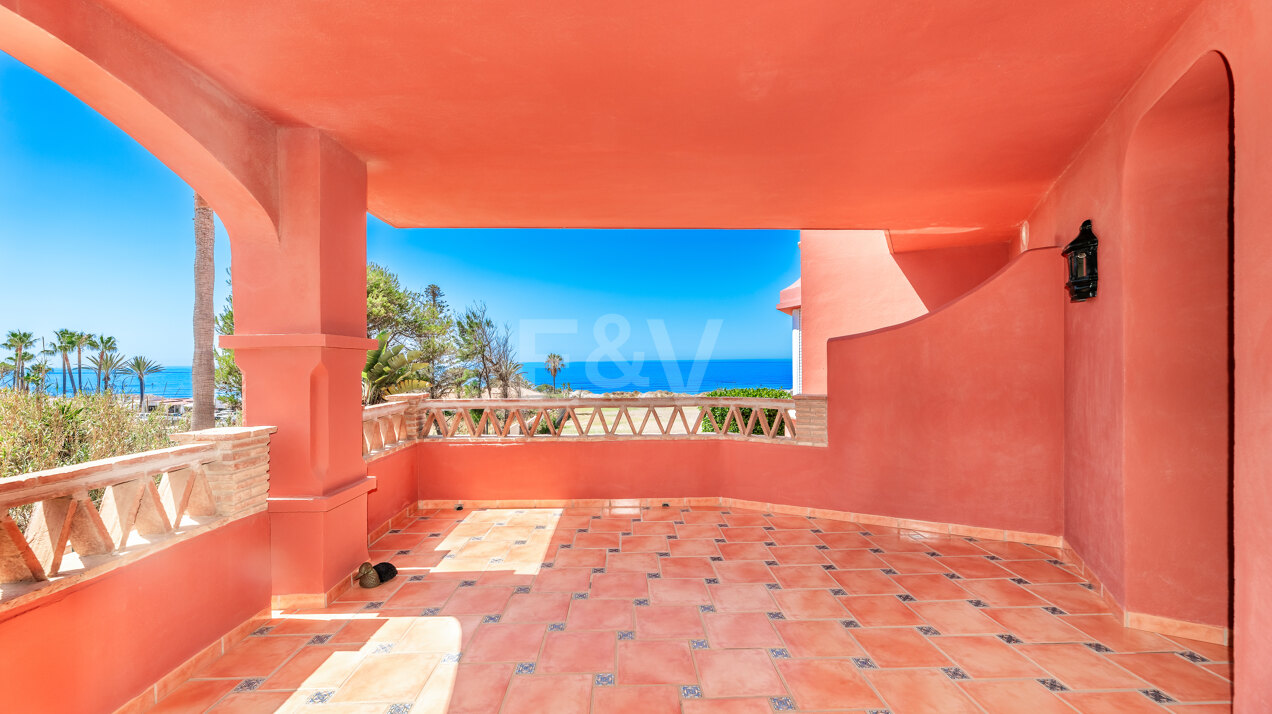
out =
column 300, row 340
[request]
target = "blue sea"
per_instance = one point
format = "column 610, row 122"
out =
column 681, row 376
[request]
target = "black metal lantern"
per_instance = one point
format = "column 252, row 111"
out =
column 1082, row 273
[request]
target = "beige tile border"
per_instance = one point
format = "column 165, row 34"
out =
column 179, row 674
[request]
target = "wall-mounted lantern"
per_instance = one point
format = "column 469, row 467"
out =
column 1082, row 273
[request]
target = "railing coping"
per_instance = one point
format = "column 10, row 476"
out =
column 225, row 433
column 383, row 409
column 680, row 401
column 101, row 466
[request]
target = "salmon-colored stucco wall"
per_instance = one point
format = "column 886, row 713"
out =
column 851, row 282
column 396, row 486
column 95, row 646
column 1097, row 359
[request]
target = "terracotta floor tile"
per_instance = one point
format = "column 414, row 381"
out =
column 537, row 607
column 931, row 586
column 254, row 657
column 492, row 578
column 678, row 591
column 744, row 571
column 753, row 705
column 660, row 528
column 744, row 534
column 798, row 555
column 987, row 657
column 195, row 695
column 1034, row 625
column 636, row 700
column 694, row 567
column 700, row 517
column 600, row 615
column 795, row 537
column 998, row 592
column 846, row 541
column 913, row 563
column 1015, row 697
column 737, row 673
column 694, row 547
column 899, row 647
column 256, row 702
column 387, row 678
column 745, row 551
column 742, row 597
column 1176, row 676
column 1039, row 571
column 631, row 563
column 802, row 576
column 827, row 684
column 570, row 580
column 1081, row 667
column 658, row 622
column 789, row 522
column 654, row 663
column 847, row 560
column 300, row 625
column 1011, row 551
column 1070, row 597
column 866, row 582
column 974, row 567
column 610, row 525
column 880, row 611
column 432, row 634
column 371, row 630
column 430, row 593
column 745, row 519
column 643, row 544
column 954, row 546
column 593, row 541
column 472, row 601
column 319, row 667
column 809, row 604
column 558, row 694
column 740, row 630
column 478, row 688
column 892, row 543
column 565, row 652
column 816, row 638
column 691, row 531
column 832, row 525
column 505, row 643
column 921, row 691
column 1113, row 703
column 956, row 617
column 580, row 558
column 1212, row 652
column 620, row 585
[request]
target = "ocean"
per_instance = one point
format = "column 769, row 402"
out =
column 600, row 377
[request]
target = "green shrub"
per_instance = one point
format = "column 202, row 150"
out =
column 720, row 413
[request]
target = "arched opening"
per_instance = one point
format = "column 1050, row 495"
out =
column 1178, row 342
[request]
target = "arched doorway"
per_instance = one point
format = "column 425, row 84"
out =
column 1177, row 260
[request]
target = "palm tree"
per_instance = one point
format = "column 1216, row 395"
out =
column 6, row 367
column 104, row 344
column 82, row 340
column 19, row 342
column 554, row 363
column 38, row 374
column 65, row 342
column 107, row 365
column 140, row 367
column 203, row 371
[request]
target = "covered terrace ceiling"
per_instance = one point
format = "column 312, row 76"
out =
column 945, row 118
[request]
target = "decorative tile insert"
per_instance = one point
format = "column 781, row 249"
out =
column 603, row 680
column 1157, row 695
column 864, row 663
column 319, row 639
column 1053, row 684
column 524, row 668
column 779, row 653
column 928, row 630
column 955, row 673
column 698, row 644
column 782, row 704
column 691, row 691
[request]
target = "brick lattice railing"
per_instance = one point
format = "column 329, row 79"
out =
column 92, row 517
column 410, row 417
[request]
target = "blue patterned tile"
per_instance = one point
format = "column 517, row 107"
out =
column 1097, row 647
column 490, row 619
column 1157, row 695
column 496, row 561
column 598, row 570
column 319, row 639
column 970, row 539
column 626, row 635
column 452, row 657
column 866, row 533
column 978, row 603
column 864, row 663
column 434, row 535
column 953, row 576
column 773, row 586
column 673, row 537
column 769, row 528
column 664, row 555
column 395, row 530
column 1192, row 657
column 522, row 590
column 415, row 579
column 603, row 680
column 430, row 611
column 720, row 540
column 321, row 697
column 830, row 566
column 1088, row 586
column 1053, row 684
column 876, row 550
column 932, row 554
column 823, row 546
column 262, row 630
column 1055, row 610
column 839, row 592
column 565, row 546
column 525, row 668
column 449, row 556
column 626, row 533
column 770, row 544
column 653, row 576
column 579, row 596
column 475, row 538
column 613, row 550
column 556, row 627
column 782, row 704
column 771, row 563
column 641, row 602
column 1011, row 639
column 248, row 685
column 815, row 530
column 775, row 615
column 467, row 583
column 928, row 630
column 400, row 708
column 520, row 542
column 905, row 597
column 711, row 581
column 691, row 691
column 698, row 644
column 545, row 565
column 779, row 653
column 992, row 557
column 385, row 648
column 955, row 673
column 375, row 604
column 404, row 552
column 888, row 571
column 1020, row 581
column 717, row 558
column 540, row 528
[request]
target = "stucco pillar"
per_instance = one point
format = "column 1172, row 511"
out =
column 300, row 339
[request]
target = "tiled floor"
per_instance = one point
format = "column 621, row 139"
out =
column 706, row 611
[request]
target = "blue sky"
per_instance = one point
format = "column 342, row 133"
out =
column 96, row 235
